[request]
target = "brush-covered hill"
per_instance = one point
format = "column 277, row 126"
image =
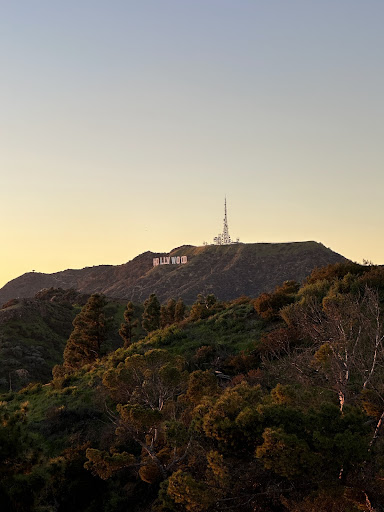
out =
column 34, row 331
column 226, row 271
column 236, row 407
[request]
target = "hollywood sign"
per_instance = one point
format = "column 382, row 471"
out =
column 170, row 260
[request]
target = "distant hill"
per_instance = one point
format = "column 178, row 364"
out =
column 34, row 331
column 227, row 271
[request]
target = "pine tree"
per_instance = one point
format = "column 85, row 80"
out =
column 179, row 311
column 171, row 309
column 128, row 326
column 151, row 315
column 167, row 313
column 163, row 316
column 84, row 343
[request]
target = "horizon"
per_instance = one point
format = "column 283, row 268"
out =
column 124, row 125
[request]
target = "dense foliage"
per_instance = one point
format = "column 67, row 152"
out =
column 271, row 404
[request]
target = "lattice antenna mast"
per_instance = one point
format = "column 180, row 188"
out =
column 226, row 237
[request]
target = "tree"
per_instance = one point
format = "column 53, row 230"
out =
column 171, row 308
column 84, row 344
column 163, row 316
column 347, row 347
column 150, row 380
column 204, row 307
column 179, row 311
column 232, row 419
column 129, row 324
column 193, row 495
column 151, row 315
column 104, row 464
column 268, row 305
column 172, row 312
column 347, row 333
column 285, row 454
column 168, row 313
column 145, row 388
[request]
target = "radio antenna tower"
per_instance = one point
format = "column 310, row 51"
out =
column 224, row 238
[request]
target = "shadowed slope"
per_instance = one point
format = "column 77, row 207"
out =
column 227, row 271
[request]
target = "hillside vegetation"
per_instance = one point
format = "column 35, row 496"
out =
column 271, row 404
column 33, row 334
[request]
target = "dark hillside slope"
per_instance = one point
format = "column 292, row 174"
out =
column 34, row 331
column 226, row 271
column 33, row 334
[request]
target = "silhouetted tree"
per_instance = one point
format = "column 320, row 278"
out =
column 167, row 313
column 179, row 311
column 83, row 345
column 151, row 315
column 163, row 316
column 171, row 308
column 129, row 324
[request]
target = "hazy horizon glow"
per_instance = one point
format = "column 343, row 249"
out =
column 123, row 125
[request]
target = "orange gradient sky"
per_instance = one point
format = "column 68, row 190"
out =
column 125, row 123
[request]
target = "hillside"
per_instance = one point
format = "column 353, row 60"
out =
column 32, row 339
column 237, row 407
column 33, row 333
column 226, row 271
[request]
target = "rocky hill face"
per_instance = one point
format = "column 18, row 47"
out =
column 226, row 271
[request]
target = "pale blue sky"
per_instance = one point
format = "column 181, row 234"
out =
column 124, row 123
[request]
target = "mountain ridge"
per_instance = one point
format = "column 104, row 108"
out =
column 228, row 271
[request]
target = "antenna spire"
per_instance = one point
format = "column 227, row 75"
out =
column 224, row 238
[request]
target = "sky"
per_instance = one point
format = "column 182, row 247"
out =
column 125, row 123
